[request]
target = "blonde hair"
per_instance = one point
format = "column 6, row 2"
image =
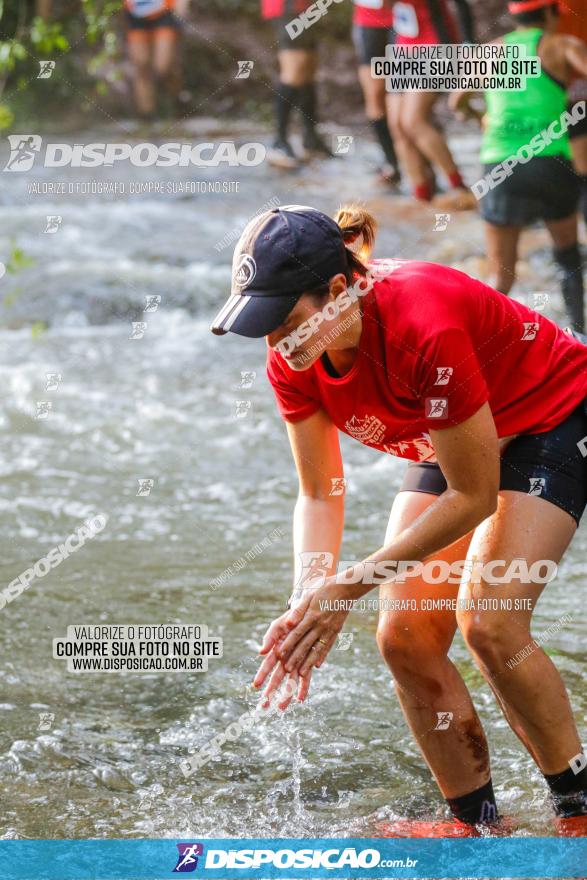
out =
column 358, row 231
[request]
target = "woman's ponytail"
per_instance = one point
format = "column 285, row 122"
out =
column 358, row 230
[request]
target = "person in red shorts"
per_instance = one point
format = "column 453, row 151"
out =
column 372, row 31
column 152, row 34
column 296, row 89
column 419, row 141
column 487, row 400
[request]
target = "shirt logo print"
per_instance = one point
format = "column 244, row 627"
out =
column 420, row 448
column 367, row 430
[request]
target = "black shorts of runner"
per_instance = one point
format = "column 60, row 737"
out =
column 370, row 42
column 579, row 129
column 307, row 40
column 551, row 465
column 545, row 188
column 167, row 20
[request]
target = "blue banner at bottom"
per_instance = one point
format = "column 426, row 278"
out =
column 298, row 859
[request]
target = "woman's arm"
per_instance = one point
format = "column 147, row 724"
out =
column 468, row 455
column 576, row 55
column 318, row 523
column 319, row 512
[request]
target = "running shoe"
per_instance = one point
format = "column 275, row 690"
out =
column 573, row 826
column 423, row 828
column 444, row 828
column 282, row 155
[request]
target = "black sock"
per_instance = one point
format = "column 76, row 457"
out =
column 383, row 135
column 583, row 200
column 569, row 792
column 476, row 808
column 286, row 99
column 308, row 107
column 571, row 277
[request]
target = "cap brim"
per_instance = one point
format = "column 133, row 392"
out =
column 253, row 316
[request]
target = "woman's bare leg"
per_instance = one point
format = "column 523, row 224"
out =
column 411, row 159
column 502, row 253
column 416, row 122
column 531, row 692
column 139, row 53
column 415, row 646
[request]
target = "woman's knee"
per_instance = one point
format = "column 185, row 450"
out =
column 414, row 124
column 493, row 638
column 405, row 646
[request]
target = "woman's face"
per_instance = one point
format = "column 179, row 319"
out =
column 311, row 327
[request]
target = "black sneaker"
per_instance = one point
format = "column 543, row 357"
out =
column 282, row 155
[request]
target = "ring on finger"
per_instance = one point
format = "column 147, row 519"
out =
column 323, row 641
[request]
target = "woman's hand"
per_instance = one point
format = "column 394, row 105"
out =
column 272, row 668
column 301, row 638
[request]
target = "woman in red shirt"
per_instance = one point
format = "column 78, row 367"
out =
column 487, row 399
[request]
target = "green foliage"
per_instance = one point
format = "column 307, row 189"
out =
column 17, row 259
column 38, row 328
column 47, row 38
column 29, row 39
column 98, row 15
column 6, row 116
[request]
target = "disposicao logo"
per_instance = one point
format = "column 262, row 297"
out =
column 24, row 149
column 187, row 860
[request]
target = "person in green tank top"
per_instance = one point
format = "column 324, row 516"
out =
column 526, row 157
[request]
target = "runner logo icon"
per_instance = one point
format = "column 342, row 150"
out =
column 187, row 860
column 444, row 374
column 23, row 151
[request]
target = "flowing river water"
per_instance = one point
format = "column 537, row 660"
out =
column 163, row 408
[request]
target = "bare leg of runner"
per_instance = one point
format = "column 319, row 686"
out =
column 502, row 253
column 139, row 53
column 165, row 61
column 532, row 692
column 415, row 120
column 415, row 646
column 579, row 151
column 411, row 159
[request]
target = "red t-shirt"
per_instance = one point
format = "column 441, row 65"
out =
column 437, row 344
column 278, row 8
column 372, row 13
column 414, row 23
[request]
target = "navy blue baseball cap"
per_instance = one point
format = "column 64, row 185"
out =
column 281, row 254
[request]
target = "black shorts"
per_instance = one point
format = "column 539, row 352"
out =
column 545, row 188
column 579, row 129
column 167, row 20
column 370, row 42
column 550, row 465
column 307, row 40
